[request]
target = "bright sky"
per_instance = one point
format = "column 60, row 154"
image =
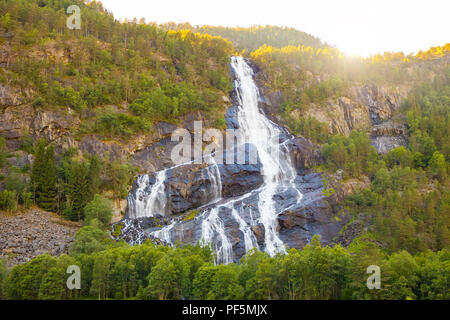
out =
column 354, row 26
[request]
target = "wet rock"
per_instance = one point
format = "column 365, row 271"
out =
column 231, row 119
column 238, row 179
column 154, row 157
column 305, row 155
column 191, row 186
column 134, row 231
column 259, row 232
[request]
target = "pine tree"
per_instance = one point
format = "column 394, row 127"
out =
column 94, row 175
column 43, row 177
column 47, row 197
column 37, row 168
column 79, row 191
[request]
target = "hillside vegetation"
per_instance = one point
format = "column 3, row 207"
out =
column 118, row 80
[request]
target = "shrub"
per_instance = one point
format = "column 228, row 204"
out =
column 99, row 208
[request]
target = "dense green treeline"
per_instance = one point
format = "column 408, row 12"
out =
column 120, row 271
column 250, row 39
column 163, row 74
column 428, row 113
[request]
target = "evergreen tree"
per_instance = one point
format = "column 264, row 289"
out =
column 95, row 167
column 43, row 177
column 78, row 190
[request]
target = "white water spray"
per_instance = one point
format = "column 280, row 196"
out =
column 263, row 134
column 277, row 170
column 143, row 205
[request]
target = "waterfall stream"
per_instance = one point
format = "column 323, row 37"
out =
column 276, row 168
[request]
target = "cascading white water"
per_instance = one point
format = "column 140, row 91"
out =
column 277, row 170
column 213, row 226
column 164, row 233
column 214, row 176
column 249, row 238
column 263, row 134
column 142, row 205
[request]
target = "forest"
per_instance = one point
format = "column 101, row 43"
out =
column 155, row 73
column 119, row 271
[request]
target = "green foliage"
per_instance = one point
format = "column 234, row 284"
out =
column 408, row 201
column 89, row 239
column 203, row 281
column 99, row 208
column 43, row 177
column 117, row 230
column 324, row 90
column 18, row 183
column 8, row 200
column 168, row 102
column 3, row 152
column 191, row 215
column 354, row 154
column 428, row 113
column 3, row 275
column 399, row 209
column 225, row 284
column 168, row 278
column 309, row 127
column 53, row 283
column 113, row 124
column 120, row 175
column 162, row 73
column 252, row 38
column 78, row 190
column 438, row 166
column 148, row 272
column 23, row 281
column 81, row 180
column 399, row 156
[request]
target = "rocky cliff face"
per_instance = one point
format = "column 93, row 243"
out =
column 150, row 151
column 362, row 107
column 389, row 135
column 21, row 121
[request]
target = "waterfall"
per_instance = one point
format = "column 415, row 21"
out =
column 213, row 173
column 143, row 204
column 277, row 170
column 164, row 234
column 213, row 226
column 278, row 176
column 263, row 134
column 249, row 238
